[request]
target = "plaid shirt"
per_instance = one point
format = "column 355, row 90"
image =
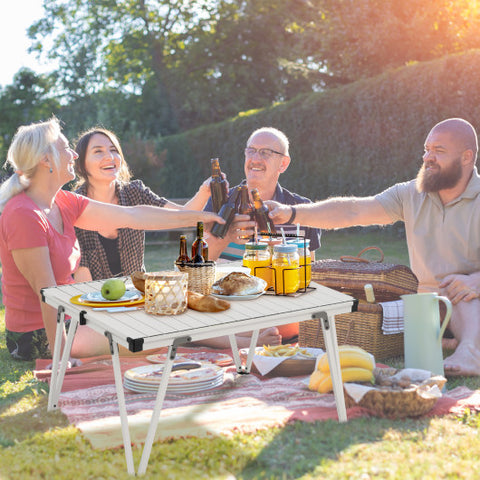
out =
column 131, row 243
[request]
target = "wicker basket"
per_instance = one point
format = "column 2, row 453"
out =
column 390, row 403
column 201, row 276
column 350, row 274
column 362, row 328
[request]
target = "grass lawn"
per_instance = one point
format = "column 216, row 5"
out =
column 36, row 444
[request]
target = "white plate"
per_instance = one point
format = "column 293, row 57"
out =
column 238, row 297
column 129, row 295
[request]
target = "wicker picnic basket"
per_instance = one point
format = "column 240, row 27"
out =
column 201, row 276
column 399, row 403
column 363, row 327
column 350, row 274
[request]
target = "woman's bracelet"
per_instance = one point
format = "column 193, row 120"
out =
column 293, row 215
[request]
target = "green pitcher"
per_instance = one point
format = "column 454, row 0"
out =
column 423, row 333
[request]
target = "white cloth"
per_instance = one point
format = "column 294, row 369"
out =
column 392, row 317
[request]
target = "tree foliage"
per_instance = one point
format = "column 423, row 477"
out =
column 26, row 100
column 362, row 38
column 150, row 67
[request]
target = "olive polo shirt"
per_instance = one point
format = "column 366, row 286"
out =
column 441, row 239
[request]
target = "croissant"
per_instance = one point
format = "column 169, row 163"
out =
column 206, row 303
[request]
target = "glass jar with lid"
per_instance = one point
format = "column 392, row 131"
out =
column 286, row 267
column 303, row 246
column 257, row 258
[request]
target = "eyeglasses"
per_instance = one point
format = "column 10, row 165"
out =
column 264, row 153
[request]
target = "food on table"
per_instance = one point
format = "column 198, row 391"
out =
column 206, row 303
column 287, row 350
column 113, row 289
column 238, row 283
column 138, row 280
column 356, row 365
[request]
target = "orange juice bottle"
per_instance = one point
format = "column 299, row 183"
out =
column 257, row 259
column 286, row 266
column 305, row 261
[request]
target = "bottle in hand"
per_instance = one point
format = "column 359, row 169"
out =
column 199, row 246
column 264, row 222
column 218, row 186
column 244, row 207
column 227, row 212
column 183, row 256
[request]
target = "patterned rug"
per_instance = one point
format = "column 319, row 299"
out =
column 244, row 403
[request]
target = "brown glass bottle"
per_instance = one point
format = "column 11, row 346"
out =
column 183, row 256
column 244, row 207
column 227, row 212
column 264, row 222
column 199, row 246
column 218, row 186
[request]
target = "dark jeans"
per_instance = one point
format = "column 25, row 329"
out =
column 29, row 345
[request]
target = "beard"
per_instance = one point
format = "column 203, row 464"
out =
column 441, row 179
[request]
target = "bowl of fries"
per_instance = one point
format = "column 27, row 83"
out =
column 282, row 360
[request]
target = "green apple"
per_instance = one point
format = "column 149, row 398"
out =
column 113, row 289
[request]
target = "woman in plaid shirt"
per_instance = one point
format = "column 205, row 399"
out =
column 105, row 176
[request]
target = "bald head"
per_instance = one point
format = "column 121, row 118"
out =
column 461, row 132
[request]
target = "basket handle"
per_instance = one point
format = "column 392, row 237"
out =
column 358, row 258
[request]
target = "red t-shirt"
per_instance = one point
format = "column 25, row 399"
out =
column 24, row 225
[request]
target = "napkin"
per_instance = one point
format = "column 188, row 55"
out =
column 392, row 317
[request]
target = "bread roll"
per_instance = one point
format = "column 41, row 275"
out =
column 138, row 280
column 239, row 283
column 206, row 303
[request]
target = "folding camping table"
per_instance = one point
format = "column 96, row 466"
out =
column 139, row 331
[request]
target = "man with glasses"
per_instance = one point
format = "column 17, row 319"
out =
column 266, row 157
column 441, row 212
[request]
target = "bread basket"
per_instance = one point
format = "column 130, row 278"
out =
column 395, row 402
column 201, row 276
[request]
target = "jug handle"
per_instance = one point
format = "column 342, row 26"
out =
column 448, row 315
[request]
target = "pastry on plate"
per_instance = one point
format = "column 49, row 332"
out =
column 239, row 283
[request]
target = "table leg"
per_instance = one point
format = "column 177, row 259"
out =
column 117, row 373
column 56, row 380
column 331, row 345
column 162, row 389
column 251, row 352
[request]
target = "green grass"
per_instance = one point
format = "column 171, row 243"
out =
column 35, row 443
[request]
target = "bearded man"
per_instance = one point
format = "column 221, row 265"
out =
column 441, row 212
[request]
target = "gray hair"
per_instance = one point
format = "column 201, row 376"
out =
column 279, row 135
column 29, row 146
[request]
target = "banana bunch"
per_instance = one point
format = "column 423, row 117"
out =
column 356, row 366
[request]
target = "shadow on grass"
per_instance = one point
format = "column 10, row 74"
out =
column 301, row 448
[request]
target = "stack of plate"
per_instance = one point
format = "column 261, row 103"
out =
column 147, row 378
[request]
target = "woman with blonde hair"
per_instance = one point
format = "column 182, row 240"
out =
column 104, row 176
column 38, row 246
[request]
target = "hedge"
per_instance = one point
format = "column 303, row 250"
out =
column 353, row 140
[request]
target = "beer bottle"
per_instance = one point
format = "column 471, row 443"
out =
column 227, row 212
column 199, row 246
column 183, row 256
column 264, row 222
column 244, row 207
column 218, row 186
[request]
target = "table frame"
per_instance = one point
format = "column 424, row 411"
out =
column 322, row 303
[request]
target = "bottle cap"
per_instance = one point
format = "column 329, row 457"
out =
column 285, row 248
column 299, row 242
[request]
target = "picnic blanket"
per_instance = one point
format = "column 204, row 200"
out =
column 244, row 403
